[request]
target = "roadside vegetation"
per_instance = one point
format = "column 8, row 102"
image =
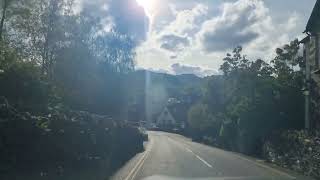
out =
column 58, row 71
column 297, row 150
column 243, row 108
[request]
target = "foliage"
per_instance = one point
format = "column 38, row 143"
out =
column 52, row 60
column 202, row 122
column 63, row 55
column 297, row 150
column 22, row 83
column 254, row 98
column 198, row 116
column 62, row 142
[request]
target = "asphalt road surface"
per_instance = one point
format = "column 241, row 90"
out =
column 174, row 157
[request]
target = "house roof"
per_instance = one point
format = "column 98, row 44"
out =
column 305, row 40
column 179, row 112
column 314, row 23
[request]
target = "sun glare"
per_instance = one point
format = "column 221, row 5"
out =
column 147, row 5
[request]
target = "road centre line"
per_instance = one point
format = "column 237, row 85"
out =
column 190, row 151
column 205, row 162
column 252, row 161
column 258, row 163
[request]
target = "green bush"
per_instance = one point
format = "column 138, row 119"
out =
column 64, row 142
column 297, row 150
column 22, row 85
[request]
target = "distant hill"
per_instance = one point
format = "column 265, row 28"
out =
column 148, row 92
column 170, row 82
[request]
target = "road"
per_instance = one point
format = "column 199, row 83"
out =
column 174, row 157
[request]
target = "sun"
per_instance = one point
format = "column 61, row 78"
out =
column 148, row 5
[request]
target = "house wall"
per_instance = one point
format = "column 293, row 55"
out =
column 315, row 99
column 312, row 55
column 165, row 119
column 311, row 47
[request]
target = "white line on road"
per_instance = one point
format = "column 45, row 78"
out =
column 190, row 151
column 205, row 162
column 258, row 162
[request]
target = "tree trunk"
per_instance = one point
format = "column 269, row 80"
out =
column 5, row 5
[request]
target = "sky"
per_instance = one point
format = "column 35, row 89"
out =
column 193, row 36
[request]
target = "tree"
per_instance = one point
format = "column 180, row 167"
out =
column 253, row 98
column 53, row 60
column 202, row 122
column 77, row 57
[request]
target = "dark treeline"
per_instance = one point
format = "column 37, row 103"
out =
column 58, row 69
column 56, row 55
column 252, row 99
column 257, row 108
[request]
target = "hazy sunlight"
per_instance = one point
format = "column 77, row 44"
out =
column 148, row 5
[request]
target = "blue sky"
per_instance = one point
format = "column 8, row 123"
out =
column 192, row 36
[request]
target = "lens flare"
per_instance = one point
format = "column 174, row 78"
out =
column 148, row 5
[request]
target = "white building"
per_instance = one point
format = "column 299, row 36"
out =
column 165, row 119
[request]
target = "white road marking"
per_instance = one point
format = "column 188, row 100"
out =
column 189, row 150
column 205, row 162
column 257, row 162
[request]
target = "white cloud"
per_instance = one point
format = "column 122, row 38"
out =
column 178, row 34
column 186, row 21
column 201, row 35
column 124, row 16
column 246, row 23
column 172, row 40
column 174, row 43
column 236, row 25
